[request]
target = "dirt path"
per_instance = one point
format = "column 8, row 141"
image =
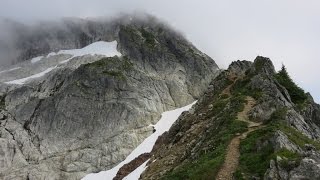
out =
column 227, row 90
column 232, row 157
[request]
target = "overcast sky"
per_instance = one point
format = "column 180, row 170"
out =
column 287, row 31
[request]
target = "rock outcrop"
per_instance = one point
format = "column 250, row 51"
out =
column 89, row 115
column 279, row 138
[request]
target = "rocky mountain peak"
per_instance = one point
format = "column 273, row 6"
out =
column 20, row 42
column 84, row 94
column 264, row 65
column 248, row 125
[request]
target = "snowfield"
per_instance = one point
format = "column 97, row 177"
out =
column 163, row 125
column 23, row 80
column 108, row 49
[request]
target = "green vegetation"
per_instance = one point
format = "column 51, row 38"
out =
column 112, row 66
column 290, row 159
column 242, row 87
column 132, row 34
column 190, row 50
column 207, row 165
column 298, row 96
column 224, row 96
column 259, row 63
column 114, row 73
column 149, row 37
column 297, row 137
column 257, row 149
column 219, row 106
column 129, row 31
column 278, row 116
column 256, row 152
column 224, row 129
column 127, row 64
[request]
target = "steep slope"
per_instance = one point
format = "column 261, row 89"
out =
column 244, row 127
column 88, row 114
column 143, row 150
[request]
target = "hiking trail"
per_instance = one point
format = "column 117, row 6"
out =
column 233, row 153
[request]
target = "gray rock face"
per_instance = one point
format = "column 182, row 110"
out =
column 283, row 142
column 308, row 169
column 80, row 119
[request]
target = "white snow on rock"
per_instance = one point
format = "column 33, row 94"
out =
column 51, row 54
column 108, row 49
column 10, row 70
column 137, row 172
column 23, row 80
column 36, row 59
column 163, row 125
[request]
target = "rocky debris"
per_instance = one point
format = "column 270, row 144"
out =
column 130, row 167
column 88, row 116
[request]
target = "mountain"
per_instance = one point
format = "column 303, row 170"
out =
column 252, row 123
column 130, row 98
column 65, row 114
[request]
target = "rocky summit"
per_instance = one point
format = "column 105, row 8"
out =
column 251, row 123
column 83, row 94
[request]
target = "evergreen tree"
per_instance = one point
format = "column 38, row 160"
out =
column 297, row 94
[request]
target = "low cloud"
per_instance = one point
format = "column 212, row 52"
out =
column 286, row 31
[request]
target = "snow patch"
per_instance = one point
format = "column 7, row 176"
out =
column 23, row 80
column 163, row 125
column 36, row 59
column 51, row 54
column 108, row 49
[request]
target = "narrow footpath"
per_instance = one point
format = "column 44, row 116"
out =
column 233, row 153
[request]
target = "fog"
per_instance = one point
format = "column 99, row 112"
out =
column 287, row 31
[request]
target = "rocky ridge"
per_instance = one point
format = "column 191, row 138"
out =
column 284, row 143
column 89, row 115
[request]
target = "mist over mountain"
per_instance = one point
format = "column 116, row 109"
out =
column 20, row 42
column 132, row 96
column 286, row 31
